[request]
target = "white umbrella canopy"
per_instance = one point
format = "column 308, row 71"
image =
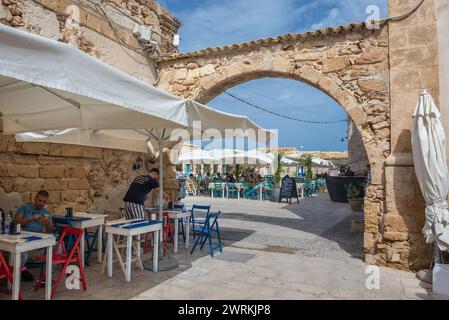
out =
column 429, row 153
column 54, row 92
column 287, row 162
column 197, row 156
column 316, row 161
column 48, row 85
column 254, row 157
column 322, row 162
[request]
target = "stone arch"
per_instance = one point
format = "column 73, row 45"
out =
column 350, row 64
column 312, row 77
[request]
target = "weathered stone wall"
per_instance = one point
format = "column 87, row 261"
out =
column 442, row 11
column 80, row 177
column 357, row 157
column 413, row 66
column 350, row 64
column 94, row 35
column 84, row 178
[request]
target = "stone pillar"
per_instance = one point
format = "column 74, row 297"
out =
column 413, row 66
column 442, row 11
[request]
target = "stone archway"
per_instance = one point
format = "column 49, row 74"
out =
column 350, row 64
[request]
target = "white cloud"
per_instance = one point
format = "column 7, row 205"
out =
column 344, row 12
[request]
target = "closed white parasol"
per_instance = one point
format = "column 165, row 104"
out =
column 429, row 152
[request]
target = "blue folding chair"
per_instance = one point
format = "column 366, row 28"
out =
column 205, row 232
column 91, row 239
column 198, row 215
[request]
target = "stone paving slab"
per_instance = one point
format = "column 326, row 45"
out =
column 326, row 261
column 304, row 251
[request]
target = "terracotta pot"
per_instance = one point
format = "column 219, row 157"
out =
column 356, row 204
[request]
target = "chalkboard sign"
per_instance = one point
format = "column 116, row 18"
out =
column 288, row 190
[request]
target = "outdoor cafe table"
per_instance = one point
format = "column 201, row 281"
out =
column 28, row 241
column 83, row 221
column 129, row 229
column 212, row 187
column 176, row 215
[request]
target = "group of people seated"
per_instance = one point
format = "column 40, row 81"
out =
column 251, row 179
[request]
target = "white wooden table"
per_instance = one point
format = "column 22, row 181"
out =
column 16, row 244
column 112, row 229
column 93, row 220
column 212, row 187
column 176, row 215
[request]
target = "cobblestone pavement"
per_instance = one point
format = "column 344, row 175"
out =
column 271, row 251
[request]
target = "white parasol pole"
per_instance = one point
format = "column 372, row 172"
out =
column 161, row 182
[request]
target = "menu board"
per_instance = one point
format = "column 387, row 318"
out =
column 288, row 190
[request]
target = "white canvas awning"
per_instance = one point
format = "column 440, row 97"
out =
column 197, row 156
column 287, row 162
column 51, row 91
column 316, row 161
column 48, row 85
column 254, row 157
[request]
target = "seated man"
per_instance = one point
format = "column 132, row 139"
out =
column 34, row 218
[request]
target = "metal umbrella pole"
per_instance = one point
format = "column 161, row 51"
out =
column 161, row 181
column 170, row 263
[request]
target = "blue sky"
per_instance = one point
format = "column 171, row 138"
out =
column 210, row 23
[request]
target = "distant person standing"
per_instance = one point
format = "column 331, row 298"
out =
column 137, row 194
column 207, row 179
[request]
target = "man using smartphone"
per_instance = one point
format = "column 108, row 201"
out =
column 34, row 218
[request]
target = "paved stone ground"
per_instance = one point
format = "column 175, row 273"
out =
column 303, row 251
column 271, row 251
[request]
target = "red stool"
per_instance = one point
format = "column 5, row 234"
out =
column 168, row 231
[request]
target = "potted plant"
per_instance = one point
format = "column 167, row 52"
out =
column 309, row 164
column 356, row 194
column 276, row 192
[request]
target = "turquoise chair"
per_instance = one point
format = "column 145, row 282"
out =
column 232, row 191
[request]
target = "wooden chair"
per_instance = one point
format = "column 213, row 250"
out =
column 65, row 256
column 6, row 272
